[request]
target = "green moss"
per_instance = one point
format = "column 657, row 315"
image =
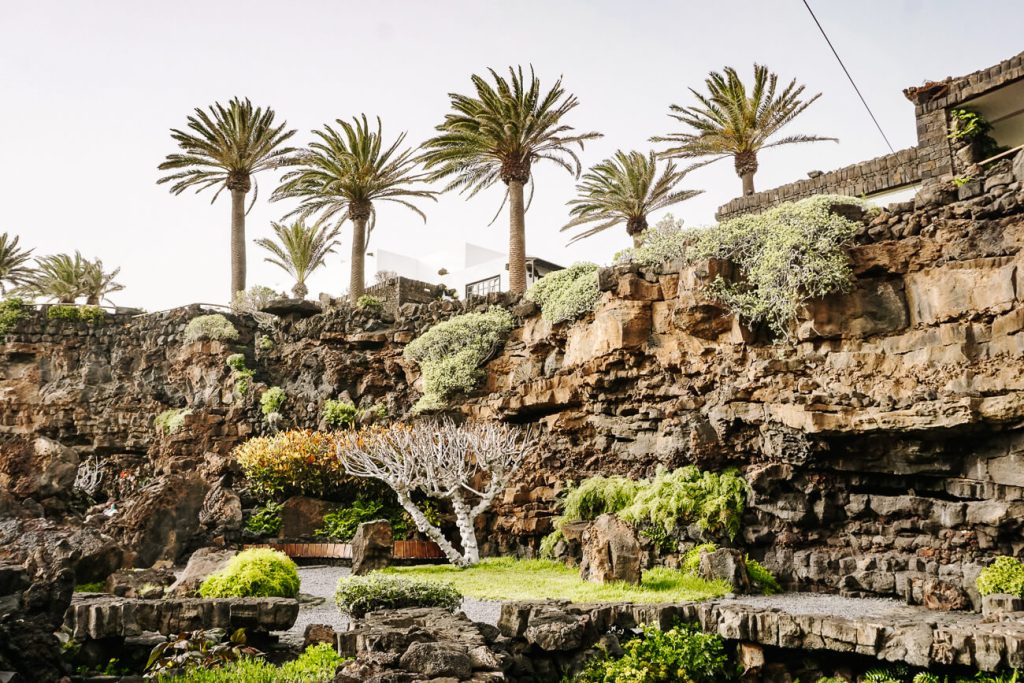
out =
column 170, row 421
column 1004, row 575
column 510, row 579
column 214, row 326
column 566, row 294
column 255, row 573
column 450, row 354
column 90, row 587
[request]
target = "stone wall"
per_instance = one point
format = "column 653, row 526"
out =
column 870, row 177
column 883, row 442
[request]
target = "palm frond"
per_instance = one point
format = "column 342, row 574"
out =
column 14, row 263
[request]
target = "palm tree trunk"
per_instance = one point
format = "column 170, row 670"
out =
column 357, row 280
column 516, row 238
column 748, row 183
column 237, row 241
column 92, row 300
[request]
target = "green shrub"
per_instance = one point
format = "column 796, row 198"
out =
column 316, row 665
column 548, row 543
column 240, row 373
column 370, row 303
column 170, row 421
column 252, row 300
column 663, row 242
column 762, row 577
column 87, row 314
column 338, row 414
column 12, row 310
column 358, row 595
column 566, row 294
column 599, row 495
column 714, row 502
column 788, row 255
column 266, row 520
column 213, row 326
column 255, row 573
column 450, row 353
column 272, row 400
column 265, row 343
column 682, row 653
column 236, row 362
column 341, row 524
column 1004, row 575
column 691, row 560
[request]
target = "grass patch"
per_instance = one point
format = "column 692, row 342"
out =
column 505, row 578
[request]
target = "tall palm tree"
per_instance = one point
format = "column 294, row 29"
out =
column 730, row 122
column 14, row 268
column 98, row 284
column 300, row 249
column 59, row 277
column 498, row 134
column 625, row 189
column 226, row 147
column 342, row 174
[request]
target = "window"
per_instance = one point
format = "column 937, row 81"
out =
column 484, row 287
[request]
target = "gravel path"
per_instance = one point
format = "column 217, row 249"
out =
column 822, row 604
column 319, row 581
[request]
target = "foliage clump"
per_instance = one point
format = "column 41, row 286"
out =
column 294, row 462
column 170, row 421
column 318, row 664
column 1004, row 575
column 214, row 326
column 759, row 575
column 341, row 524
column 12, row 310
column 566, row 294
column 265, row 520
column 339, row 414
column 370, row 304
column 682, row 653
column 713, row 501
column 241, row 374
column 72, row 313
column 357, row 595
column 254, row 573
column 598, row 496
column 450, row 354
column 662, row 243
column 271, row 402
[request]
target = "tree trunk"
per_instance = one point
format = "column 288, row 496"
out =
column 748, row 183
column 516, row 238
column 357, row 280
column 638, row 240
column 237, row 242
column 92, row 301
column 300, row 290
column 432, row 532
column 464, row 522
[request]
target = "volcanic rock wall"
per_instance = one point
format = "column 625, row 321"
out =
column 883, row 441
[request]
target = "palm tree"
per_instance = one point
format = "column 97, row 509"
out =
column 729, row 122
column 61, row 277
column 300, row 249
column 499, row 134
column 625, row 189
column 14, row 268
column 226, row 147
column 97, row 284
column 342, row 174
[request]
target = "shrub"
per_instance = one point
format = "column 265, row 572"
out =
column 358, row 595
column 566, row 294
column 213, row 326
column 271, row 401
column 760, row 576
column 266, row 520
column 170, row 421
column 341, row 524
column 317, row 664
column 548, row 543
column 338, row 414
column 714, row 502
column 663, row 242
column 370, row 303
column 87, row 314
column 12, row 310
column 255, row 573
column 789, row 254
column 599, row 495
column 91, row 587
column 297, row 462
column 1004, row 575
column 682, row 653
column 197, row 650
column 236, row 362
column 265, row 343
column 252, row 300
column 450, row 354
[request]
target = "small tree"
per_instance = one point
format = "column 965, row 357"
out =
column 468, row 465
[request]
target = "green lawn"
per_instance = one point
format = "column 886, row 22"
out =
column 506, row 578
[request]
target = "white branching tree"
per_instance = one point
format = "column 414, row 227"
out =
column 467, row 465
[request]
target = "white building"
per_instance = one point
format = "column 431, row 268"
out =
column 469, row 269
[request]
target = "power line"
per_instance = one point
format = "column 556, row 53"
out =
column 839, row 59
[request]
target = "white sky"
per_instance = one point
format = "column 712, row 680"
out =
column 89, row 90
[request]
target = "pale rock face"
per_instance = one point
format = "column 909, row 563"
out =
column 611, row 552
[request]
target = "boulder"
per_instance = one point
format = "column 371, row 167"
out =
column 945, row 596
column 222, row 512
column 319, row 633
column 437, row 660
column 37, row 468
column 372, row 547
column 555, row 631
column 302, row 516
column 148, row 584
column 611, row 552
column 203, row 562
column 725, row 564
